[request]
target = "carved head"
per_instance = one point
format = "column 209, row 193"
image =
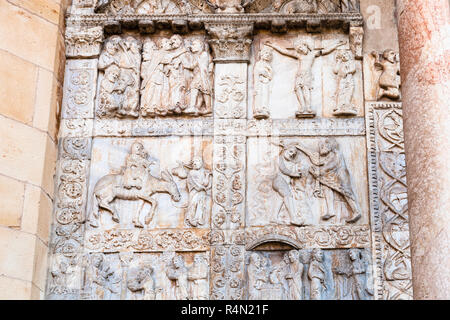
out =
column 137, row 148
column 317, row 255
column 97, row 260
column 266, row 54
column 293, row 256
column 389, row 55
column 328, row 145
column 290, row 153
column 176, row 41
column 344, row 56
column 197, row 163
column 112, row 45
column 112, row 73
column 166, row 44
column 302, row 47
column 199, row 258
column 197, row 46
column 178, row 261
column 354, row 254
column 255, row 259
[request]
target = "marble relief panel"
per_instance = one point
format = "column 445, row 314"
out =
column 175, row 193
column 309, row 274
column 307, row 181
column 304, row 75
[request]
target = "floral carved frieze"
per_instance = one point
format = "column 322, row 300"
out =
column 130, row 240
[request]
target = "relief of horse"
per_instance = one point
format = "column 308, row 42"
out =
column 110, row 187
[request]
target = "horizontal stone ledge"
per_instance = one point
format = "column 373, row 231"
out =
column 182, row 23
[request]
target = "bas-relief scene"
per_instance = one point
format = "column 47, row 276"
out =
column 228, row 161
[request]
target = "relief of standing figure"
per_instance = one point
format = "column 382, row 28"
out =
column 198, row 278
column 199, row 182
column 294, row 275
column 330, row 170
column 200, row 102
column 262, row 80
column 305, row 54
column 178, row 273
column 178, row 66
column 345, row 70
column 316, row 275
column 257, row 277
column 285, row 180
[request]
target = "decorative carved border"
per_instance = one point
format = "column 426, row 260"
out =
column 397, row 284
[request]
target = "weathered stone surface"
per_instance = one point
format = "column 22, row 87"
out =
column 256, row 187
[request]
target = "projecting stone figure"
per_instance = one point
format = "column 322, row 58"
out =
column 293, row 275
column 305, row 54
column 198, row 278
column 316, row 275
column 178, row 273
column 389, row 82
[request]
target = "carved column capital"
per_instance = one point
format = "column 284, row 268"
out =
column 83, row 42
column 230, row 42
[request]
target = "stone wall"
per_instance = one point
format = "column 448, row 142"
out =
column 31, row 75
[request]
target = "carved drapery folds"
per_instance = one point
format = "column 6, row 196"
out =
column 216, row 150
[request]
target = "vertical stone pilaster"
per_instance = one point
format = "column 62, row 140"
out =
column 231, row 48
column 66, row 263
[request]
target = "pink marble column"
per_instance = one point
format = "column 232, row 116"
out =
column 424, row 37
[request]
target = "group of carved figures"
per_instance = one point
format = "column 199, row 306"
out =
column 331, row 178
column 224, row 6
column 286, row 280
column 135, row 182
column 305, row 53
column 176, row 78
column 161, row 279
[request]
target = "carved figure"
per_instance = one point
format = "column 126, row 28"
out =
column 284, row 182
column 229, row 6
column 199, row 182
column 358, row 275
column 305, row 54
column 316, row 275
column 349, row 5
column 178, row 273
column 112, row 186
column 330, row 170
column 294, row 275
column 389, row 82
column 177, row 65
column 154, row 87
column 137, row 167
column 198, row 278
column 119, row 89
column 257, row 277
column 262, row 78
column 345, row 70
column 141, row 284
column 101, row 278
column 200, row 102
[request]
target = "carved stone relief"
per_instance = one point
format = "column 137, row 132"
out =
column 208, row 153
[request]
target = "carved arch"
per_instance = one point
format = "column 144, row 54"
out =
column 273, row 238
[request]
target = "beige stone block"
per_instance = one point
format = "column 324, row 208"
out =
column 14, row 289
column 22, row 151
column 49, row 166
column 28, row 36
column 37, row 213
column 17, row 92
column 46, row 9
column 36, row 293
column 40, row 265
column 17, row 254
column 11, row 202
column 45, row 106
